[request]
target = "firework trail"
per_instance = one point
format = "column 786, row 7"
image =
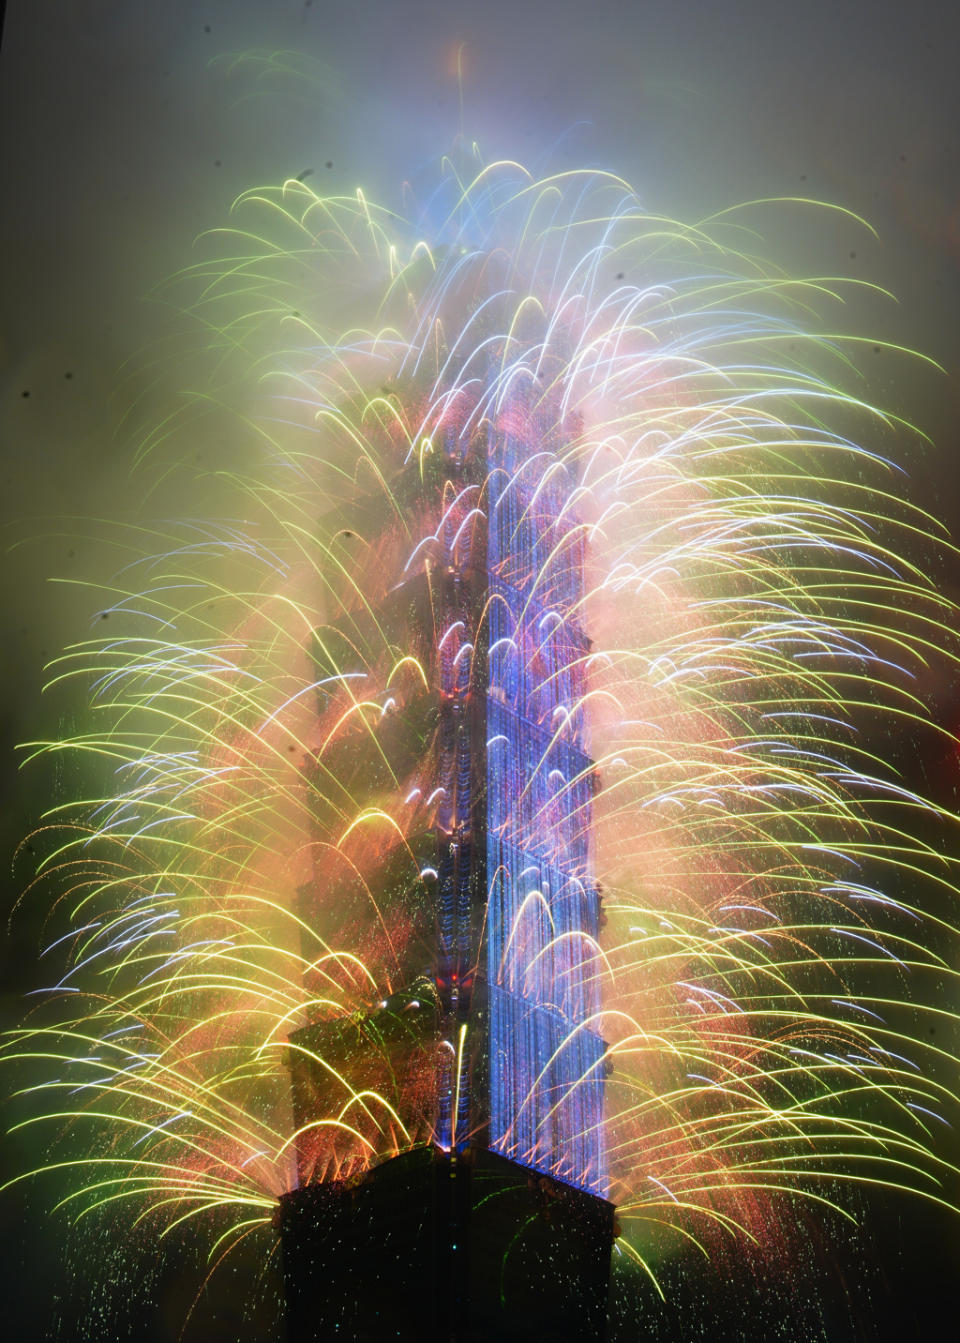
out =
column 696, row 586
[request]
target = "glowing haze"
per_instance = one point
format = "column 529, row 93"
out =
column 711, row 633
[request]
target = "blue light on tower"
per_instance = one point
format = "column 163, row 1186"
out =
column 545, row 1054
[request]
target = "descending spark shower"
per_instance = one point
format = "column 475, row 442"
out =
column 513, row 773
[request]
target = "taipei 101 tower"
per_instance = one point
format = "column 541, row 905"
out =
column 494, row 1222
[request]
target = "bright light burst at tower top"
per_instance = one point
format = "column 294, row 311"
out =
column 582, row 479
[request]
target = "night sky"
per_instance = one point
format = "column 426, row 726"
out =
column 127, row 128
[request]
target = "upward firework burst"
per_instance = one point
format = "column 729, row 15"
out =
column 597, row 461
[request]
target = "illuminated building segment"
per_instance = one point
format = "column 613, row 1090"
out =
column 545, row 1056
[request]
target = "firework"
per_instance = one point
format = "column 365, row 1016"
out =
column 547, row 453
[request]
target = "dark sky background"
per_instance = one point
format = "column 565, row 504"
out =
column 124, row 133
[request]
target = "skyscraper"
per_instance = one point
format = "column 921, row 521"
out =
column 497, row 1224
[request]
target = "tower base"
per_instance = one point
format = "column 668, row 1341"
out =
column 464, row 1248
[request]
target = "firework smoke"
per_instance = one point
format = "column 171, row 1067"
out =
column 248, row 897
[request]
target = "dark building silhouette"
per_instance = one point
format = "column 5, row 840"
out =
column 498, row 1226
